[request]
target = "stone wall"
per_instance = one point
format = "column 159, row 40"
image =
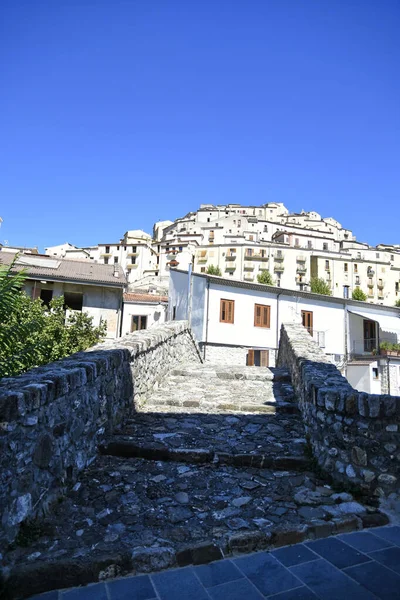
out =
column 355, row 436
column 219, row 354
column 53, row 418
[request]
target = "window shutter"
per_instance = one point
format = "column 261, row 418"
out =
column 264, row 358
column 250, row 358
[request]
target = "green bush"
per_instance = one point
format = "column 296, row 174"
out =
column 320, row 286
column 265, row 277
column 32, row 334
column 211, row 270
column 358, row 294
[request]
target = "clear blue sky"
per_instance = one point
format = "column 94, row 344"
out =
column 117, row 113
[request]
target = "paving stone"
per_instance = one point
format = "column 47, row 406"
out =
column 335, row 551
column 217, row 573
column 235, row 590
column 294, row 555
column 376, row 578
column 329, row 583
column 300, row 593
column 364, row 541
column 266, row 573
column 389, row 557
column 139, row 588
column 391, row 534
column 91, row 592
column 184, row 580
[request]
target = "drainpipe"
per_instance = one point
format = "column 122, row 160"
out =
column 277, row 326
column 346, row 316
column 121, row 313
column 208, row 304
column 190, row 293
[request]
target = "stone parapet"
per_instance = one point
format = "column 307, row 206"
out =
column 53, row 418
column 354, row 435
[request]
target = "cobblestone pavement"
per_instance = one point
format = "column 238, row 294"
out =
column 360, row 566
column 180, row 485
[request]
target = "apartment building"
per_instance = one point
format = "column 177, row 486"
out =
column 244, row 241
column 238, row 323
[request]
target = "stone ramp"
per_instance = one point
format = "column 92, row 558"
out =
column 275, row 441
column 187, row 483
column 206, row 389
column 134, row 516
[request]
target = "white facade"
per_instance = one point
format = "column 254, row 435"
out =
column 348, row 331
column 141, row 311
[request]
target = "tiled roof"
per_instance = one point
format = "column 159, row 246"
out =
column 55, row 268
column 129, row 297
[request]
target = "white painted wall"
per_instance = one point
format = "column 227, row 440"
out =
column 155, row 312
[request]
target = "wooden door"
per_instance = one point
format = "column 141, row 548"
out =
column 369, row 335
column 307, row 318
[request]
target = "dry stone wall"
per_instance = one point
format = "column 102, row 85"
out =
column 53, row 418
column 354, row 435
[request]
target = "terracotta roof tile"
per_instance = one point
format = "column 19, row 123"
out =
column 130, row 297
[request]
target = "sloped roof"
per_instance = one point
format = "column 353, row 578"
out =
column 41, row 266
column 153, row 298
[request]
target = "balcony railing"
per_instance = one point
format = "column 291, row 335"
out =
column 248, row 277
column 231, row 267
column 381, row 286
column 301, row 270
column 279, row 268
column 230, row 257
column 362, row 347
column 248, row 267
column 256, row 256
column 279, row 258
column 301, row 259
column 370, row 284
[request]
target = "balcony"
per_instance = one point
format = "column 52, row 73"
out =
column 279, row 268
column 363, row 347
column 256, row 256
column 301, row 270
column 230, row 256
column 381, row 285
column 132, row 254
column 301, row 259
column 370, row 284
column 230, row 267
column 172, row 252
column 279, row 258
column 248, row 267
column 131, row 266
column 105, row 254
column 172, row 264
column 202, row 257
column 248, row 277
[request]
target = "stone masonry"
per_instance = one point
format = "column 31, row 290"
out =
column 212, row 463
column 354, row 435
column 53, row 418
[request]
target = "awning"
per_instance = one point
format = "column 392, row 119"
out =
column 386, row 323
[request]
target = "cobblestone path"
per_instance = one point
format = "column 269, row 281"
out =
column 213, row 464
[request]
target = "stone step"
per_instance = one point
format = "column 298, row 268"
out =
column 126, row 448
column 269, row 407
column 229, row 373
column 136, row 516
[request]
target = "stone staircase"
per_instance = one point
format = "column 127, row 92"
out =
column 213, row 463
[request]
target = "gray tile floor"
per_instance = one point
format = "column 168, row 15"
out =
column 356, row 566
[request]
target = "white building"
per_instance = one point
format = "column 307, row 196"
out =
column 143, row 311
column 89, row 287
column 239, row 323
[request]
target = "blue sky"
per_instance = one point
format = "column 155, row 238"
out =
column 118, row 113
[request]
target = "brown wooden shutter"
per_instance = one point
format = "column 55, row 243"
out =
column 257, row 315
column 250, row 358
column 230, row 311
column 264, row 358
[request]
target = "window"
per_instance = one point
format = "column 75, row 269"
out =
column 377, row 255
column 106, row 260
column 262, row 315
column 251, row 238
column 346, row 267
column 202, row 270
column 359, row 255
column 180, row 248
column 355, row 268
column 46, row 296
column 257, row 358
column 357, row 280
column 345, row 291
column 325, row 246
column 133, row 260
column 138, row 322
column 307, row 319
column 227, row 311
column 239, row 222
column 134, row 249
column 249, row 252
column 115, row 260
column 309, row 244
column 297, row 242
column 375, row 373
column 392, row 257
column 107, row 249
column 73, row 300
column 327, row 265
column 117, row 247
